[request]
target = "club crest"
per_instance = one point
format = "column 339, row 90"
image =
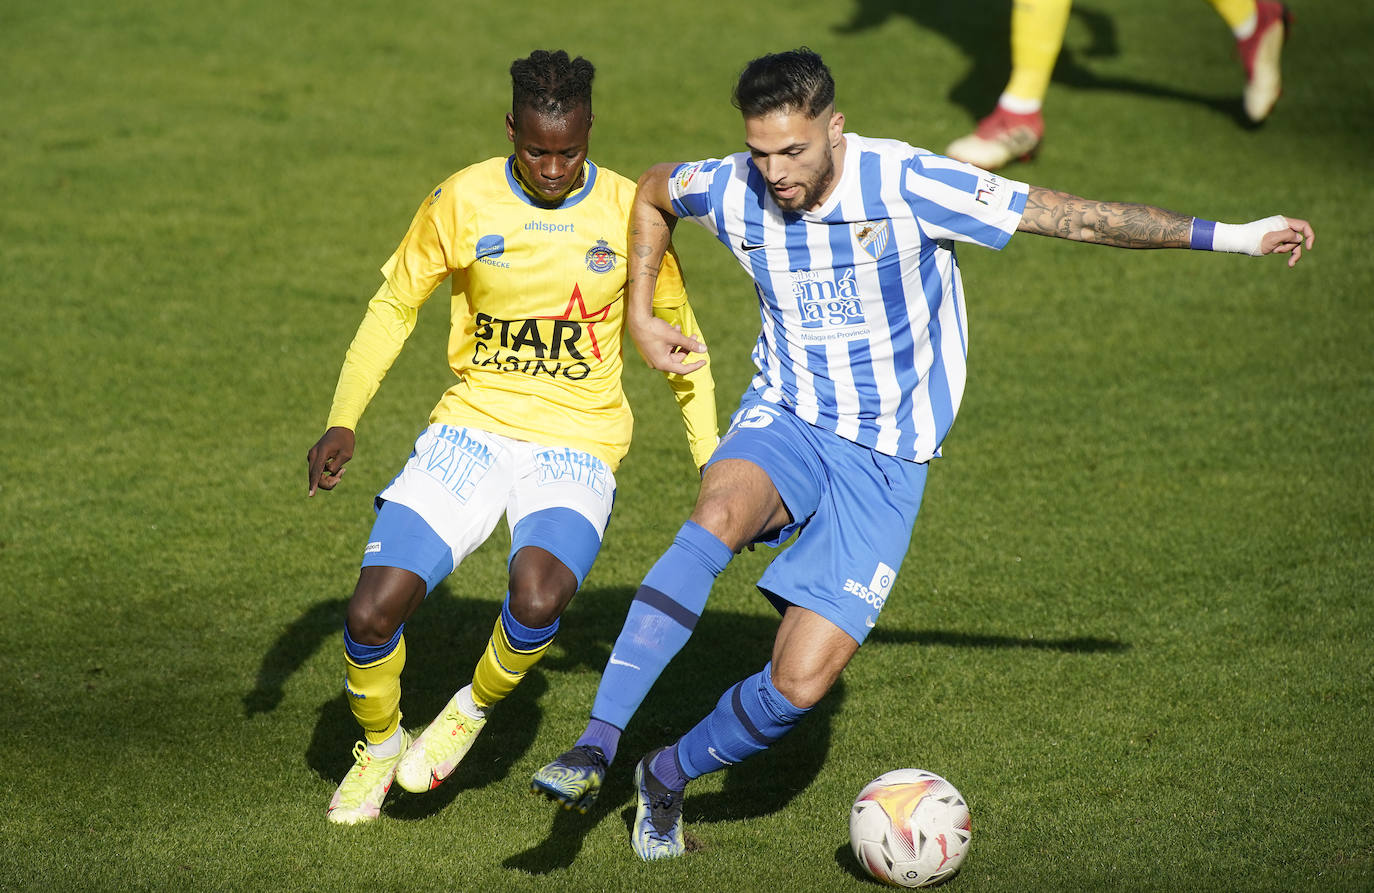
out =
column 872, row 236
column 601, row 259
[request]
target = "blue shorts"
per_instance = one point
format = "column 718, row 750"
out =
column 853, row 510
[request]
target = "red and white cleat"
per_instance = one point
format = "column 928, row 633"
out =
column 1261, row 52
column 1001, row 138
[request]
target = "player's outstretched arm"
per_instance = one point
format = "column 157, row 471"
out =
column 327, row 458
column 1129, row 225
column 651, row 230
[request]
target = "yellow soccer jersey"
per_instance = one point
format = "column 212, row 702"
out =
column 537, row 311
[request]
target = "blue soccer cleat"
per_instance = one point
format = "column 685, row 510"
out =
column 573, row 778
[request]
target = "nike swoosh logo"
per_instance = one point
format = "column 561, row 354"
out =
column 622, row 663
column 867, row 620
column 747, row 247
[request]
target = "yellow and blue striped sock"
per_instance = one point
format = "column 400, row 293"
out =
column 372, row 680
column 510, row 653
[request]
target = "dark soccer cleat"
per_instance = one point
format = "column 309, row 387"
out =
column 657, row 831
column 574, row 778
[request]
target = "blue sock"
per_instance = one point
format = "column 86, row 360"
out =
column 603, row 735
column 749, row 717
column 367, row 654
column 522, row 637
column 667, row 770
column 661, row 619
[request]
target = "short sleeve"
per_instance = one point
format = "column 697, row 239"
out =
column 954, row 200
column 689, row 188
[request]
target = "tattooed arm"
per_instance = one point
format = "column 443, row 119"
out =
column 1119, row 224
column 1129, row 225
column 651, row 230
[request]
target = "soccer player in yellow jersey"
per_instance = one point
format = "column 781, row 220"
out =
column 534, row 427
column 1016, row 127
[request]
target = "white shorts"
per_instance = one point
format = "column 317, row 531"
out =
column 461, row 480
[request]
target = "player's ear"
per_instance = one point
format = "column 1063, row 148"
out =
column 836, row 129
column 510, row 126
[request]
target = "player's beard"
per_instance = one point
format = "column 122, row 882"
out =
column 811, row 190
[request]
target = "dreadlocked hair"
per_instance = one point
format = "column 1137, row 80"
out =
column 550, row 83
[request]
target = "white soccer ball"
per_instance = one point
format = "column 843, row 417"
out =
column 910, row 828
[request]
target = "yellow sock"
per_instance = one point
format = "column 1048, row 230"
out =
column 502, row 667
column 374, row 693
column 1037, row 33
column 1234, row 12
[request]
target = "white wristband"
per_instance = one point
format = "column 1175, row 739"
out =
column 1245, row 238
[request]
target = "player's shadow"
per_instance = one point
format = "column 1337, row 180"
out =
column 443, row 641
column 982, row 31
column 1069, row 645
column 447, row 634
column 726, row 647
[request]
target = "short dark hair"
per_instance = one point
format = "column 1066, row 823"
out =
column 794, row 81
column 550, row 83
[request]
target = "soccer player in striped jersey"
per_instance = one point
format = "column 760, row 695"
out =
column 849, row 242
column 535, row 426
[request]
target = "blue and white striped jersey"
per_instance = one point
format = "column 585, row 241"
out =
column 862, row 308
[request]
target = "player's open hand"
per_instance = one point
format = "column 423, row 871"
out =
column 1290, row 241
column 664, row 347
column 327, row 458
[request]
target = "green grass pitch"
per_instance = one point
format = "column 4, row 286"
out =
column 1135, row 623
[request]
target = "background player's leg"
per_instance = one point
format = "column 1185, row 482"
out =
column 1016, row 126
column 1260, row 29
column 1037, row 34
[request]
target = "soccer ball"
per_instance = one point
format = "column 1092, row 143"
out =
column 910, row 828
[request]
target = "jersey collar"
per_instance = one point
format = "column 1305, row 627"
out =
column 518, row 189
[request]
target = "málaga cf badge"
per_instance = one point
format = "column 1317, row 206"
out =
column 872, row 236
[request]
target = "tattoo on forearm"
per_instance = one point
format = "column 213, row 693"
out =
column 1119, row 224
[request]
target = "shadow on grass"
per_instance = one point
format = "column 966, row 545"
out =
column 447, row 634
column 983, row 33
column 443, row 641
column 1071, row 645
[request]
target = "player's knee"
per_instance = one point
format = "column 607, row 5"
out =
column 370, row 626
column 739, row 505
column 802, row 692
column 724, row 519
column 540, row 588
column 537, row 606
column 374, row 616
